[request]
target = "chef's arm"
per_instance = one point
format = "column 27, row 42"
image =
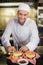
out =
column 6, row 35
column 34, row 38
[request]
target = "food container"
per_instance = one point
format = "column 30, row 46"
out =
column 23, row 61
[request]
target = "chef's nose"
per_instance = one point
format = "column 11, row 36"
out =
column 22, row 16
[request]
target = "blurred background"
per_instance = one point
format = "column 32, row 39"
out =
column 8, row 11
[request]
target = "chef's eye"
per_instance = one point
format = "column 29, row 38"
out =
column 25, row 14
column 20, row 14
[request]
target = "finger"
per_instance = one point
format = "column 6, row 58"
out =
column 13, row 49
column 20, row 49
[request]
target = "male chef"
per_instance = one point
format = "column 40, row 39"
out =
column 24, row 31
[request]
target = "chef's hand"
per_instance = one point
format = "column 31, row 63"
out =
column 23, row 49
column 10, row 49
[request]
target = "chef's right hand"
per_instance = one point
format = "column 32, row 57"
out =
column 10, row 49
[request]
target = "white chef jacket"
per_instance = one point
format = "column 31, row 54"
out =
column 26, row 34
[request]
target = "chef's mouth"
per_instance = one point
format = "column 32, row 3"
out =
column 21, row 22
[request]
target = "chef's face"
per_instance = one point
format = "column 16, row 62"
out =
column 22, row 16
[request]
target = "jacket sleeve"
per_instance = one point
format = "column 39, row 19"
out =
column 6, row 35
column 34, row 38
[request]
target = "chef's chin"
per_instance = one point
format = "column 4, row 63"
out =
column 21, row 22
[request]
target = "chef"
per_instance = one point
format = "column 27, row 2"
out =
column 24, row 31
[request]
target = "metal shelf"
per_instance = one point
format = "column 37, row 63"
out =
column 40, row 16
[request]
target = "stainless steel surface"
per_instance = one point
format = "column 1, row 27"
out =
column 40, row 1
column 39, row 49
column 3, row 60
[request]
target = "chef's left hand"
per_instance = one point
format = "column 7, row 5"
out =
column 23, row 49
